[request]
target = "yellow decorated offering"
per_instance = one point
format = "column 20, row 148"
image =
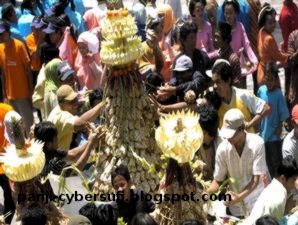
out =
column 179, row 136
column 121, row 46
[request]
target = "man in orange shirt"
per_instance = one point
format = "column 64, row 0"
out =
column 16, row 75
column 8, row 201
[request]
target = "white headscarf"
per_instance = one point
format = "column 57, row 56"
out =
column 90, row 40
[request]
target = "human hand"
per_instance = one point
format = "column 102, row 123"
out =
column 167, row 89
column 235, row 199
column 189, row 97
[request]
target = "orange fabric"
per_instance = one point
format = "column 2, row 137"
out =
column 31, row 42
column 74, row 48
column 13, row 58
column 4, row 108
column 268, row 51
column 169, row 17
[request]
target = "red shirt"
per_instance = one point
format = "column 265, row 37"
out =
column 288, row 21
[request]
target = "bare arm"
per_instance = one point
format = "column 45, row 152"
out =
column 258, row 117
column 213, row 187
column 88, row 116
column 247, row 191
column 84, row 157
column 75, row 153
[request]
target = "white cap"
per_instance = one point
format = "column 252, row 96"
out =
column 233, row 119
column 183, row 63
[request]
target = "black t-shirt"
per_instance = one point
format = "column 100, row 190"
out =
column 129, row 210
column 55, row 162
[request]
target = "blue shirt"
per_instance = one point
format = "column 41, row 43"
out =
column 243, row 16
column 15, row 32
column 24, row 23
column 76, row 19
column 79, row 4
column 278, row 112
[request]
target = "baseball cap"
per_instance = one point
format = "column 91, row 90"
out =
column 66, row 93
column 183, row 63
column 295, row 114
column 51, row 28
column 233, row 119
column 64, row 71
column 4, row 26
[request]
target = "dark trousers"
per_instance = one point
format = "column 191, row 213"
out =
column 9, row 205
column 273, row 156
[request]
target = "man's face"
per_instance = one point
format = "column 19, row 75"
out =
column 183, row 76
column 220, row 86
column 290, row 184
column 218, row 42
column 237, row 137
column 71, row 106
column 207, row 141
column 190, row 41
column 120, row 184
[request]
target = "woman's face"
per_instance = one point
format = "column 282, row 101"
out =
column 230, row 14
column 199, row 11
column 270, row 23
column 83, row 48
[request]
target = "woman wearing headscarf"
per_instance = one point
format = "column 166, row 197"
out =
column 91, row 19
column 87, row 63
column 166, row 13
column 240, row 43
column 52, row 84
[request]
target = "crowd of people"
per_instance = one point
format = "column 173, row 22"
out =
column 53, row 85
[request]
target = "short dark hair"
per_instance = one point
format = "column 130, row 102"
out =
column 288, row 168
column 121, row 170
column 224, row 70
column 45, row 131
column 95, row 95
column 143, row 219
column 267, row 220
column 34, row 215
column 192, row 5
column 152, row 82
column 103, row 214
column 192, row 222
column 6, row 11
column 234, row 3
column 225, row 31
column 186, row 29
column 209, row 120
column 48, row 52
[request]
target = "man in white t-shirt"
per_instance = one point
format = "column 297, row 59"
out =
column 290, row 144
column 280, row 186
column 241, row 156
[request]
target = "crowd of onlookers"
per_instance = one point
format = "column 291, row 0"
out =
column 52, row 79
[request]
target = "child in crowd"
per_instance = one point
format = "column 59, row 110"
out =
column 128, row 206
column 103, row 214
column 56, row 159
column 34, row 215
column 271, row 125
